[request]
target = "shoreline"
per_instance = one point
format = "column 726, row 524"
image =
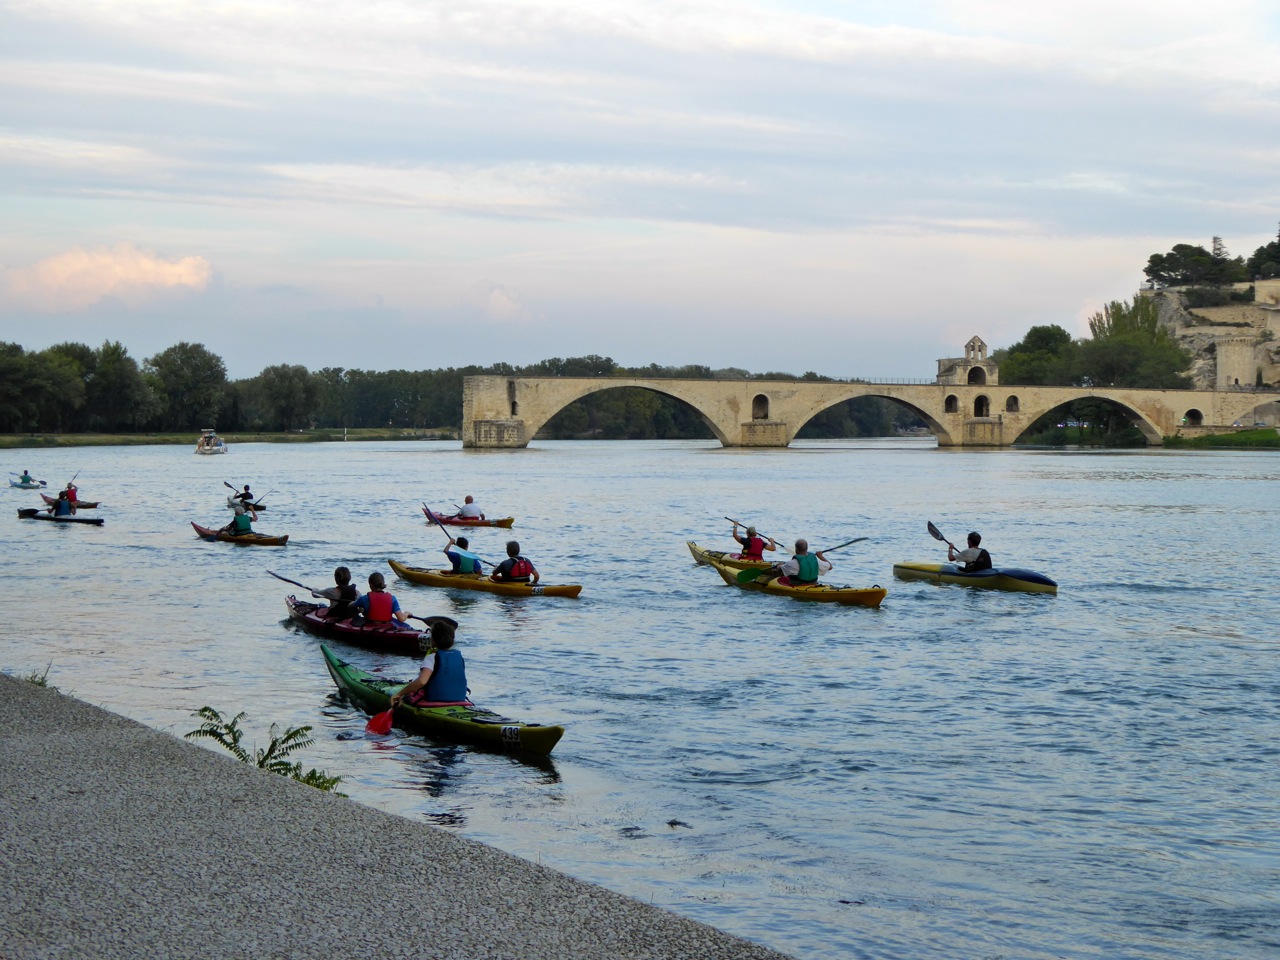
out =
column 121, row 840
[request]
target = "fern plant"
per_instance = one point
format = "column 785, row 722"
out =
column 228, row 734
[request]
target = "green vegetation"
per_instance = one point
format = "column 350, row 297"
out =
column 228, row 734
column 41, row 679
column 1241, row 439
column 1191, row 266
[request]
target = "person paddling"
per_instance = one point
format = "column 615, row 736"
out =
column 802, row 569
column 378, row 606
column 342, row 596
column 445, row 680
column 514, row 569
column 470, row 510
column 242, row 522
column 460, row 556
column 753, row 545
column 974, row 557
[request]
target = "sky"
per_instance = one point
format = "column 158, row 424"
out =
column 849, row 188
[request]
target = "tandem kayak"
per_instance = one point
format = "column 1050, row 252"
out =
column 505, row 522
column 479, row 581
column 996, row 578
column 460, row 721
column 358, row 630
column 703, row 555
column 31, row 513
column 824, row 592
column 78, row 504
column 249, row 539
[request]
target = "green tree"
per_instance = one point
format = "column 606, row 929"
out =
column 1265, row 262
column 118, row 395
column 1187, row 265
column 1130, row 348
column 190, row 382
column 289, row 394
column 1044, row 357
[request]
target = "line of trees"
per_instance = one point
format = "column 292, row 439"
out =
column 73, row 388
column 1188, row 265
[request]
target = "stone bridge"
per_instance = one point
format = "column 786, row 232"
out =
column 509, row 411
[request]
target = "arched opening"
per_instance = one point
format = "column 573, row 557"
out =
column 952, row 404
column 1193, row 418
column 760, row 407
column 864, row 417
column 977, row 376
column 515, row 408
column 1091, row 421
column 1011, row 405
column 982, row 406
column 627, row 413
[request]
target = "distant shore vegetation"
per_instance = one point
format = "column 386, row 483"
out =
column 71, row 393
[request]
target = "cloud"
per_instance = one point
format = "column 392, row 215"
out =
column 498, row 304
column 83, row 276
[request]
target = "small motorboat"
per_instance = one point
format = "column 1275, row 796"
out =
column 210, row 443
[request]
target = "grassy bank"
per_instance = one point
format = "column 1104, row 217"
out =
column 1241, row 439
column 15, row 441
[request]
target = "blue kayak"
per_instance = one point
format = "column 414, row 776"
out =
column 996, row 578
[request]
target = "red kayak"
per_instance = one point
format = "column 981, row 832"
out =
column 78, row 504
column 467, row 521
column 377, row 636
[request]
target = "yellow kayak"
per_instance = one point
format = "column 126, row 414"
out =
column 850, row 596
column 479, row 581
column 703, row 555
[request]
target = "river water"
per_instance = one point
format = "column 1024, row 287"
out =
column 958, row 774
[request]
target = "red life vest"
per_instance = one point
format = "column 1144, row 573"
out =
column 521, row 569
column 379, row 606
column 753, row 548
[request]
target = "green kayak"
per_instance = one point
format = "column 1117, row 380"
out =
column 461, row 721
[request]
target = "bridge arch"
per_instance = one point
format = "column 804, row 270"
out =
column 585, row 388
column 760, row 407
column 1149, row 429
column 842, row 393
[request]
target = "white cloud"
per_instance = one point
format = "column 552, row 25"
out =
column 82, row 276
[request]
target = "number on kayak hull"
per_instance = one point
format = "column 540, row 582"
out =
column 510, row 734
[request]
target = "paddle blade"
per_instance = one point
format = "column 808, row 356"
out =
column 936, row 533
column 379, row 723
column 746, row 576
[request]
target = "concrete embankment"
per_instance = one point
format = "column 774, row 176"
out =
column 121, row 841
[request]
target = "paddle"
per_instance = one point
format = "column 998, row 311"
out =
column 746, row 576
column 379, row 723
column 294, row 582
column 741, row 524
column 937, row 535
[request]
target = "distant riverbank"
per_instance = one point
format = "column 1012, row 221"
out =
column 14, row 441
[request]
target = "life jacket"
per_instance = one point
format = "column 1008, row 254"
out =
column 753, row 548
column 242, row 524
column 342, row 609
column 808, row 568
column 520, row 570
column 62, row 508
column 982, row 563
column 379, row 606
column 73, row 494
column 462, row 563
column 448, row 683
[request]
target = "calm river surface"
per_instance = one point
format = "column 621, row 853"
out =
column 960, row 774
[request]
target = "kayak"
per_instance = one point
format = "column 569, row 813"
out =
column 996, row 578
column 461, row 721
column 849, row 596
column 251, row 539
column 78, row 504
column 232, row 502
column 31, row 513
column 505, row 522
column 703, row 555
column 378, row 636
column 479, row 581
column 26, row 484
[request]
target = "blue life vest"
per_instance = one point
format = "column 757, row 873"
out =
column 448, row 677
column 808, row 568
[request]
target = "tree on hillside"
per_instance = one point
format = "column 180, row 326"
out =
column 1265, row 262
column 1130, row 348
column 1187, row 265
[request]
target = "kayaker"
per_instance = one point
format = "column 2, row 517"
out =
column 242, row 522
column 514, row 569
column 973, row 557
column 63, row 507
column 463, row 561
column 753, row 545
column 342, row 596
column 803, row 568
column 470, row 510
column 73, row 494
column 378, row 606
column 445, row 680
column 26, row 477
column 245, row 497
